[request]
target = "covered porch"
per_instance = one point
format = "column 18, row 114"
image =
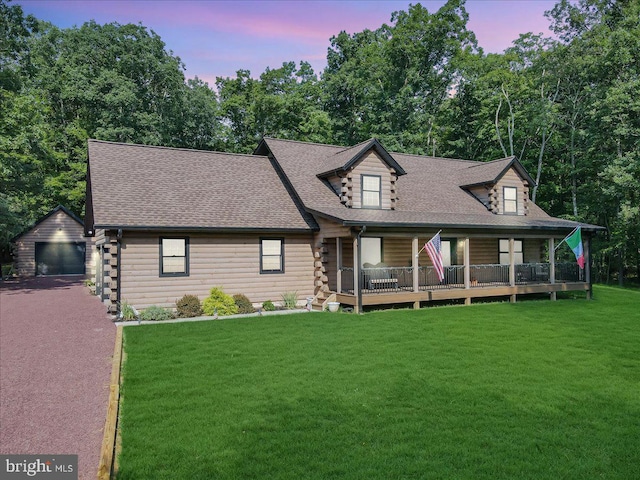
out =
column 377, row 268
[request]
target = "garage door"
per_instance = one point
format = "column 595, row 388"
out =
column 60, row 258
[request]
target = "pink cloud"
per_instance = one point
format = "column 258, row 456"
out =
column 311, row 22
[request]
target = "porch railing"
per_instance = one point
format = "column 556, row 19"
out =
column 532, row 273
column 386, row 279
column 453, row 278
column 483, row 275
column 569, row 272
column 347, row 280
column 394, row 279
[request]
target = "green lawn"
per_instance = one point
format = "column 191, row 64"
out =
column 532, row 390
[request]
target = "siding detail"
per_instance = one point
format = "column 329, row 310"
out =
column 512, row 179
column 226, row 260
column 58, row 228
column 372, row 164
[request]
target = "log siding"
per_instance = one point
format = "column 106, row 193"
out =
column 373, row 165
column 226, row 260
column 57, row 228
column 512, row 179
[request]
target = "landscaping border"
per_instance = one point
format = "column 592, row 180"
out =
column 107, row 452
column 203, row 318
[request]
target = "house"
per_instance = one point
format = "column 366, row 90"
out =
column 334, row 223
column 54, row 245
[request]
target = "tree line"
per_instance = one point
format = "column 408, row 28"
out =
column 566, row 105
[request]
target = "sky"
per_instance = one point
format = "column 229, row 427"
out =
column 218, row 37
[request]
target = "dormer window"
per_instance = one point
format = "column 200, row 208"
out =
column 371, row 192
column 510, row 200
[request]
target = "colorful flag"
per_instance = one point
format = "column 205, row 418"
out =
column 574, row 240
column 434, row 249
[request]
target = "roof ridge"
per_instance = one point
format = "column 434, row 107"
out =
column 180, row 149
column 306, row 143
column 361, row 144
column 431, row 157
column 493, row 161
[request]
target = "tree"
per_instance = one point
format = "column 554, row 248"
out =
column 392, row 82
column 283, row 102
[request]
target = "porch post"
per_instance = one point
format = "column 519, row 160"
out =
column 467, row 270
column 587, row 266
column 415, row 265
column 356, row 275
column 339, row 265
column 552, row 266
column 512, row 267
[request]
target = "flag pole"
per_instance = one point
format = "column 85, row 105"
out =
column 571, row 233
column 427, row 242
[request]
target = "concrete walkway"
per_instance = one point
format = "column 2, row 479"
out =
column 56, row 343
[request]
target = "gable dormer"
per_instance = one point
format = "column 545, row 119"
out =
column 365, row 176
column 502, row 185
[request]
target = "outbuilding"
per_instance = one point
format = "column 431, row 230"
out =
column 55, row 245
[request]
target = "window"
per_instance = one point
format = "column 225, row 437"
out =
column 371, row 250
column 504, row 251
column 449, row 254
column 510, row 196
column 371, row 193
column 174, row 257
column 271, row 255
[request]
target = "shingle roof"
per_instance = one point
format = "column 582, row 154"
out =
column 490, row 172
column 430, row 193
column 144, row 186
column 347, row 157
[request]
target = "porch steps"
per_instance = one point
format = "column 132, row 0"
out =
column 320, row 301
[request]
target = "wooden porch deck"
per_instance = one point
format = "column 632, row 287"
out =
column 454, row 292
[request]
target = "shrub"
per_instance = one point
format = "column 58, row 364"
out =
column 189, row 306
column 243, row 303
column 156, row 313
column 7, row 271
column 127, row 312
column 290, row 300
column 220, row 302
column 268, row 306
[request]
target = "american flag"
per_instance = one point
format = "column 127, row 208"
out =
column 434, row 249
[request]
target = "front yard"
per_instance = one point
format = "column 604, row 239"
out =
column 531, row 390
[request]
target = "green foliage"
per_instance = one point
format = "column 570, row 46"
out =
column 219, row 303
column 290, row 300
column 155, row 313
column 6, row 271
column 268, row 306
column 567, row 107
column 243, row 303
column 127, row 312
column 188, row 306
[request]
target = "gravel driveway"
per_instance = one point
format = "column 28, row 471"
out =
column 56, row 343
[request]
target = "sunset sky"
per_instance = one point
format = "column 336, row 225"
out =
column 218, row 37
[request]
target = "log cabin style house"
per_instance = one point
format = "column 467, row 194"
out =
column 334, row 223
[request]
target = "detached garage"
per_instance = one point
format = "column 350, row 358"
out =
column 55, row 245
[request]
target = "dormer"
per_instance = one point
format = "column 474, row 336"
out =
column 501, row 185
column 365, row 176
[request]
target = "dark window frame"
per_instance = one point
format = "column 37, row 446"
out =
column 504, row 201
column 362, row 205
column 186, row 258
column 281, row 269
